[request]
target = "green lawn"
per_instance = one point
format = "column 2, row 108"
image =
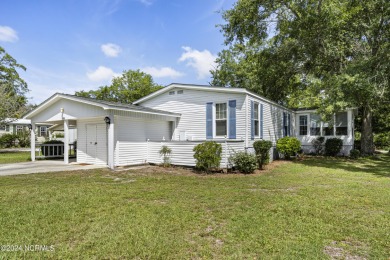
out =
column 312, row 209
column 14, row 157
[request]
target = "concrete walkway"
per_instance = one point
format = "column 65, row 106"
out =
column 42, row 166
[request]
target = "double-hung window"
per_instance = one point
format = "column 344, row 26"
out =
column 315, row 124
column 19, row 129
column 43, row 130
column 256, row 118
column 303, row 125
column 220, row 119
column 341, row 123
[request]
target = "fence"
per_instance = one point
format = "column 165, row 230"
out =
column 54, row 150
column 133, row 153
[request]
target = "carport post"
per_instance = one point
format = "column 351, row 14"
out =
column 32, row 141
column 111, row 142
column 66, row 141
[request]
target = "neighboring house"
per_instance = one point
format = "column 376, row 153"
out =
column 180, row 116
column 14, row 126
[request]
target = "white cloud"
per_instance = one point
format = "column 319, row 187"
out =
column 102, row 74
column 201, row 61
column 110, row 49
column 164, row 72
column 146, row 2
column 7, row 34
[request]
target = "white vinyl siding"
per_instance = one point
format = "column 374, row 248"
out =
column 192, row 107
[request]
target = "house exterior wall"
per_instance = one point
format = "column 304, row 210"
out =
column 306, row 140
column 192, row 107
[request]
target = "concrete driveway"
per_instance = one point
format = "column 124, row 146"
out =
column 42, row 166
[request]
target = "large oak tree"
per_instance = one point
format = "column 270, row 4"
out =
column 326, row 53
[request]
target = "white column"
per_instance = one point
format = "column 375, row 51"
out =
column 350, row 123
column 32, row 141
column 111, row 143
column 66, row 141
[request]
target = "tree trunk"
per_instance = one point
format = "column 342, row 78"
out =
column 367, row 139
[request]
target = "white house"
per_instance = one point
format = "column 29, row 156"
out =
column 179, row 116
column 15, row 126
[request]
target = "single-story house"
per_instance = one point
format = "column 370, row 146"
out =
column 14, row 126
column 181, row 116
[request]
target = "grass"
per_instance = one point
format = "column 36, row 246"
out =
column 312, row 209
column 14, row 157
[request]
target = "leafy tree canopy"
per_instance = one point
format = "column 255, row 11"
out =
column 331, row 54
column 130, row 86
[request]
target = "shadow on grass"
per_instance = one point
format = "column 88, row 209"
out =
column 377, row 165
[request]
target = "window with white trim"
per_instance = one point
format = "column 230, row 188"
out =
column 256, row 119
column 43, row 131
column 327, row 128
column 341, row 123
column 171, row 92
column 2, row 127
column 303, row 125
column 180, row 92
column 315, row 124
column 19, row 129
column 220, row 119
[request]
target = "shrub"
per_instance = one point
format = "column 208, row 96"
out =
column 8, row 140
column 207, row 155
column 165, row 152
column 244, row 162
column 333, row 146
column 24, row 138
column 354, row 154
column 59, row 135
column 318, row 145
column 262, row 148
column 288, row 146
column 52, row 150
column 382, row 140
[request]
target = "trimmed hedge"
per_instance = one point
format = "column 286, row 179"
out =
column 207, row 155
column 288, row 146
column 244, row 162
column 262, row 148
column 333, row 146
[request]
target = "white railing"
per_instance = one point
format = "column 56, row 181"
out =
column 54, row 150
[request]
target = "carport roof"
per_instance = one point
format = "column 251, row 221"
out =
column 106, row 105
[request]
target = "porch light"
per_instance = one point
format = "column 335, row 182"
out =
column 107, row 120
column 29, row 126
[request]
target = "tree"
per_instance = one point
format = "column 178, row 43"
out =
column 13, row 89
column 328, row 53
column 130, row 86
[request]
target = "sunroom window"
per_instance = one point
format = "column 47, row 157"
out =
column 341, row 123
column 315, row 124
column 303, row 125
column 327, row 128
column 2, row 127
column 220, row 119
column 256, row 118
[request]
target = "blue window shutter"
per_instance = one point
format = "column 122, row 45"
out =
column 252, row 120
column 289, row 124
column 209, row 120
column 261, row 121
column 232, row 119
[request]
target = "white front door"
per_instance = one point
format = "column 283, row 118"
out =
column 97, row 144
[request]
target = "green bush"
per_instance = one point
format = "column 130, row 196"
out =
column 207, row 155
column 244, row 162
column 24, row 138
column 357, row 144
column 354, row 154
column 262, row 148
column 382, row 140
column 46, row 151
column 318, row 145
column 333, row 146
column 8, row 140
column 288, row 146
column 165, row 152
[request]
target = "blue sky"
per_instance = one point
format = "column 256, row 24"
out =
column 71, row 45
